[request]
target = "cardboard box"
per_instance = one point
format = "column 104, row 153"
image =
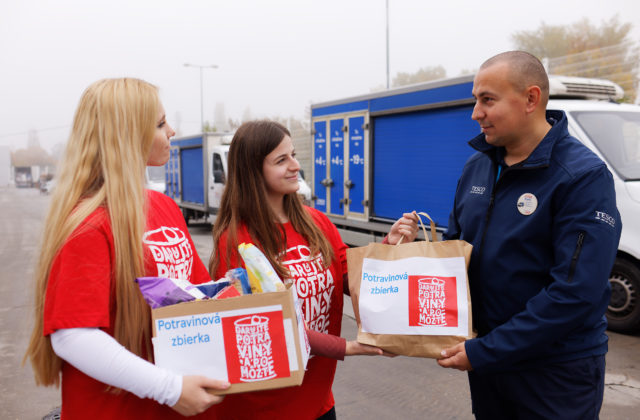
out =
column 255, row 342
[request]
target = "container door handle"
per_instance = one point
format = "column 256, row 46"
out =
column 328, row 182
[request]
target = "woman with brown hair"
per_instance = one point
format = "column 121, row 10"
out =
column 92, row 325
column 260, row 205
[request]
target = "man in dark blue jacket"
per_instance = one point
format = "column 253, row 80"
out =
column 540, row 210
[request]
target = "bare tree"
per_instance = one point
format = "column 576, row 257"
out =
column 247, row 115
column 583, row 49
column 424, row 74
column 220, row 122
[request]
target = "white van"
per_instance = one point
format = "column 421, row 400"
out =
column 217, row 177
column 612, row 131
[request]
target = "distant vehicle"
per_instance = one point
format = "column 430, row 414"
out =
column 378, row 155
column 46, row 187
column 196, row 173
column 23, row 178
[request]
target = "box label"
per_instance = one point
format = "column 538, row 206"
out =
column 256, row 347
column 213, row 345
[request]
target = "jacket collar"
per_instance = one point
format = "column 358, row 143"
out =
column 541, row 155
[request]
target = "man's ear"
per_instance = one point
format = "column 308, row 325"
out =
column 534, row 94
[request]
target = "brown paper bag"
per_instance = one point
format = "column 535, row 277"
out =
column 412, row 299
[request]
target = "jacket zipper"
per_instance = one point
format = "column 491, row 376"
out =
column 486, row 222
column 490, row 209
column 574, row 259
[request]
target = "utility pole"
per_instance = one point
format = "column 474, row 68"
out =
column 387, row 4
column 211, row 66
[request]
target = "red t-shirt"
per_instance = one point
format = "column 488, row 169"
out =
column 321, row 292
column 80, row 295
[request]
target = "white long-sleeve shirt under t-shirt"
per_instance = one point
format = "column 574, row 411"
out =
column 118, row 367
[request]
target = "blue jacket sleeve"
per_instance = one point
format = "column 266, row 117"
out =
column 586, row 232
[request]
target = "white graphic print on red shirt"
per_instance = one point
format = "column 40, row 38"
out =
column 171, row 251
column 314, row 284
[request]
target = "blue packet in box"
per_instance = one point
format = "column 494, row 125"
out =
column 241, row 275
column 212, row 288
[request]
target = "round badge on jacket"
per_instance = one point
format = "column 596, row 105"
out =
column 527, row 204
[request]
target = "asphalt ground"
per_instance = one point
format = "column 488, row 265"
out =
column 364, row 387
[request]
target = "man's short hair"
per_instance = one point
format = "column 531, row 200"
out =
column 524, row 70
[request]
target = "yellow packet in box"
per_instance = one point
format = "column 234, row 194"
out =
column 262, row 276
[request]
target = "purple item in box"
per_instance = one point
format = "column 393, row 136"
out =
column 161, row 291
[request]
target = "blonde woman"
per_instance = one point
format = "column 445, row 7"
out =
column 92, row 326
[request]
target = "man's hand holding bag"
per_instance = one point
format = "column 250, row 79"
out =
column 412, row 299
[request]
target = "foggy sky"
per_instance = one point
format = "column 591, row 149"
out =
column 275, row 57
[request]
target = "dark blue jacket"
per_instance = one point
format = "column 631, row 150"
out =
column 539, row 282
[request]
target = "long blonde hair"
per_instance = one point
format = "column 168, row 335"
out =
column 103, row 166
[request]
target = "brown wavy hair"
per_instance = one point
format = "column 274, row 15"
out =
column 245, row 195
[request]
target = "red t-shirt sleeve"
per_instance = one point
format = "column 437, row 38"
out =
column 164, row 212
column 199, row 274
column 79, row 284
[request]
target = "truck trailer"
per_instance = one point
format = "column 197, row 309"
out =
column 379, row 155
column 196, row 173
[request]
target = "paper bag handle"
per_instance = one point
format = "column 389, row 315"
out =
column 434, row 236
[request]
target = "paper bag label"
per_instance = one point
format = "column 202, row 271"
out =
column 257, row 348
column 433, row 301
column 414, row 296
